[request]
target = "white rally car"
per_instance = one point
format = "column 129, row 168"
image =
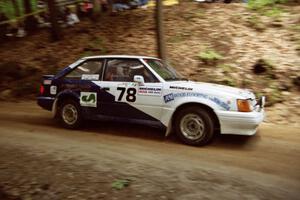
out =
column 145, row 90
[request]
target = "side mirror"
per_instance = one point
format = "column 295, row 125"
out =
column 139, row 79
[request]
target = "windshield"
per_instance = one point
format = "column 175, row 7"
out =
column 166, row 72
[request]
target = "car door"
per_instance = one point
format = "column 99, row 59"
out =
column 132, row 100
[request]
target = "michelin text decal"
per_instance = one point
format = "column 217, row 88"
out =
column 153, row 91
column 180, row 88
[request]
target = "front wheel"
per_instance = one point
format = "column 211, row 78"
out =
column 194, row 126
column 70, row 114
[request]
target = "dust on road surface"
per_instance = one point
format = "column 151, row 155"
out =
column 40, row 160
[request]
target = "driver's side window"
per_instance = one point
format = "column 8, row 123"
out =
column 123, row 70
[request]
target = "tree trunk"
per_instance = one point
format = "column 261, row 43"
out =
column 55, row 28
column 30, row 23
column 160, row 31
column 110, row 6
column 96, row 9
column 16, row 7
column 27, row 6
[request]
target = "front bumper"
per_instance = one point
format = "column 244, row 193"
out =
column 240, row 123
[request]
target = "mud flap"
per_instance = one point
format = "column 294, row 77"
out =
column 169, row 129
column 54, row 108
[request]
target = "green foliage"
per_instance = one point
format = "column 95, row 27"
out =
column 193, row 14
column 227, row 69
column 260, row 4
column 274, row 12
column 246, row 83
column 120, row 184
column 258, row 94
column 86, row 53
column 7, row 8
column 97, row 45
column 296, row 27
column 98, row 41
column 176, row 38
column 229, row 81
column 256, row 23
column 209, row 55
column 298, row 47
column 274, row 96
column 200, row 13
column 270, row 67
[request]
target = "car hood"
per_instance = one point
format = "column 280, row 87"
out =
column 216, row 89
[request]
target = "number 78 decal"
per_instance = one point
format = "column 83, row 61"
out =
column 130, row 96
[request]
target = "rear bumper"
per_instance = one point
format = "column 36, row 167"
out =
column 240, row 123
column 45, row 102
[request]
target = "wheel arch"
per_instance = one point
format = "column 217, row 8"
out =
column 59, row 99
column 185, row 105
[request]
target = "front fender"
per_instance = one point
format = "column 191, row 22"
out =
column 212, row 102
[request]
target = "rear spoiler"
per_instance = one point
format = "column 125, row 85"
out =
column 48, row 76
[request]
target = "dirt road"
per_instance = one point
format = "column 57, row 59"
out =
column 40, row 160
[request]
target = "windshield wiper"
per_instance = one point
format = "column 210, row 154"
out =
column 183, row 79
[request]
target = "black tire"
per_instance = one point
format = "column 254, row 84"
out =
column 63, row 107
column 201, row 122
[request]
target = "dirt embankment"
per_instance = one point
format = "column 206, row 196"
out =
column 222, row 43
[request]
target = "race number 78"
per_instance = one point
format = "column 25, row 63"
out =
column 130, row 94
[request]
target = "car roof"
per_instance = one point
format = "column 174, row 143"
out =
column 118, row 56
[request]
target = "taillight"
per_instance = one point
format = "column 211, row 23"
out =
column 42, row 89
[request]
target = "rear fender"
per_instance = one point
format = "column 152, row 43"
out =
column 63, row 95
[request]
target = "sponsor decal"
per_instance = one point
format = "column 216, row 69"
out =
column 53, row 90
column 220, row 103
column 131, row 84
column 152, row 91
column 172, row 96
column 47, row 82
column 180, row 88
column 88, row 99
column 168, row 97
column 90, row 77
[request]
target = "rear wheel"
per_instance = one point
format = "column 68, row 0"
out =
column 70, row 114
column 194, row 126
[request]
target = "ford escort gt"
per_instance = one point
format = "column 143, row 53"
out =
column 146, row 90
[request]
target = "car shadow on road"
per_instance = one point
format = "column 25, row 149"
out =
column 236, row 141
column 138, row 131
column 158, row 134
column 125, row 129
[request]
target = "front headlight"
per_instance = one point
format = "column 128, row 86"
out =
column 243, row 105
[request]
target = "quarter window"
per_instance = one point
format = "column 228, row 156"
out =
column 90, row 68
